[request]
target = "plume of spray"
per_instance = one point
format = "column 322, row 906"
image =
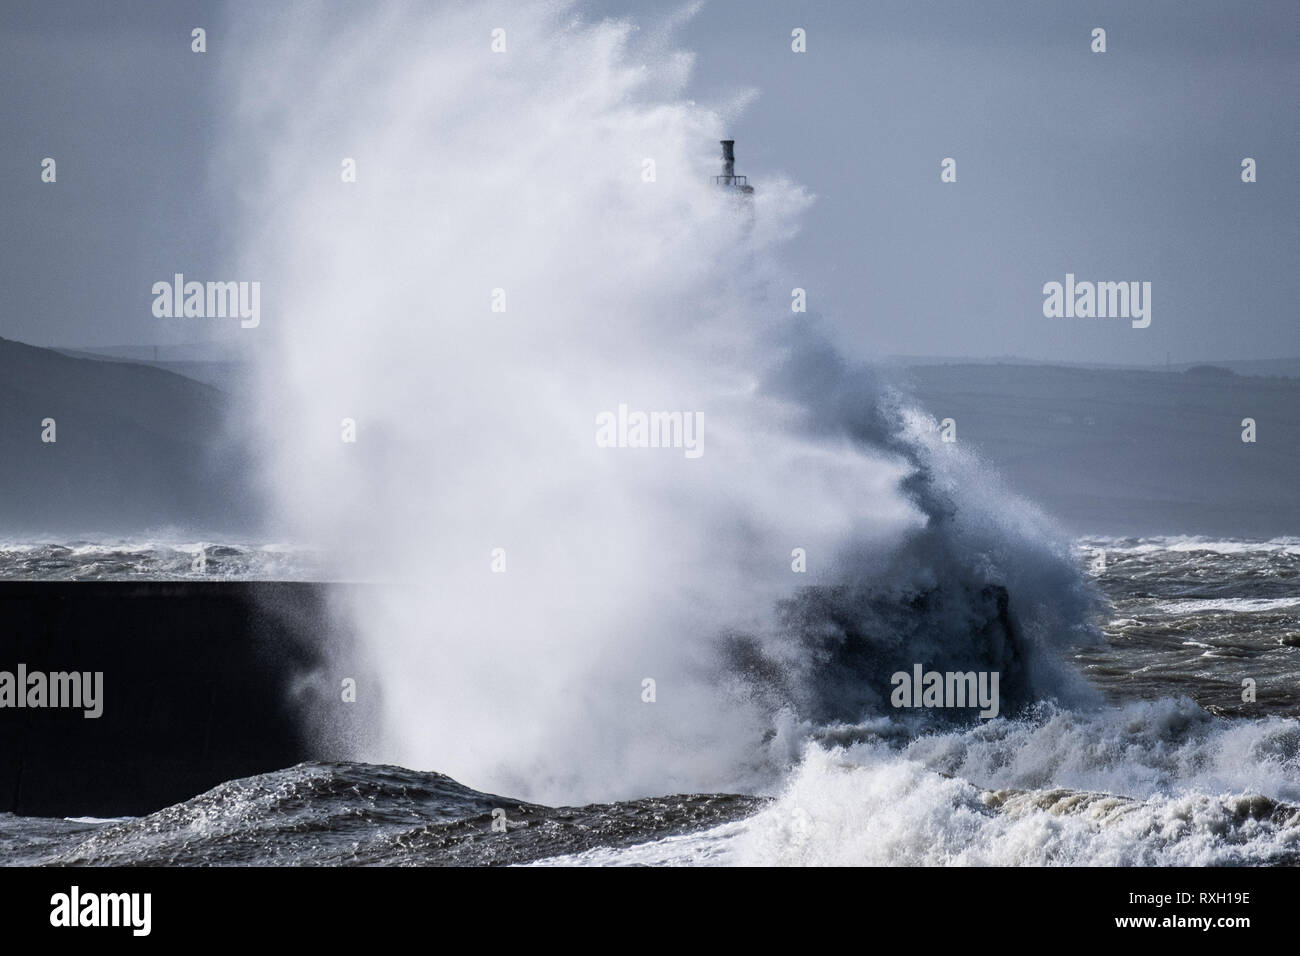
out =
column 532, row 239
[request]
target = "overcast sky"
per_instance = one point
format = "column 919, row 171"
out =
column 1123, row 165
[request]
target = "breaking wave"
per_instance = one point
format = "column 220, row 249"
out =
column 533, row 238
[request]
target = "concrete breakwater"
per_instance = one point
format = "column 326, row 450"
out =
column 195, row 683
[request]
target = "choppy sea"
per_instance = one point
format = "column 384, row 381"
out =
column 1191, row 758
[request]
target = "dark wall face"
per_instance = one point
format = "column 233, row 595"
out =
column 203, row 683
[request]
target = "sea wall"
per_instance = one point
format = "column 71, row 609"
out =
column 202, row 682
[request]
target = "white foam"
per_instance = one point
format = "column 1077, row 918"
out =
column 1232, row 605
column 1186, row 544
column 104, row 820
column 1153, row 784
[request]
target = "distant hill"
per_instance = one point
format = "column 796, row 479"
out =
column 211, row 367
column 1113, row 451
column 137, row 448
column 1278, row 367
column 1107, row 451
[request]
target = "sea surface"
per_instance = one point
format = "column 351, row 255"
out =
column 1174, row 765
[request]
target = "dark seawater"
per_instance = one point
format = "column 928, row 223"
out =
column 147, row 559
column 1198, row 617
column 1174, row 769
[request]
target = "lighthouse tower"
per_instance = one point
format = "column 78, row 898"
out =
column 729, row 179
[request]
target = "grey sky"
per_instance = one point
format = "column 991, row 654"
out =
column 1116, row 166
